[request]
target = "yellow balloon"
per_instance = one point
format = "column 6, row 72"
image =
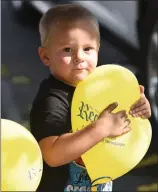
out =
column 21, row 163
column 112, row 157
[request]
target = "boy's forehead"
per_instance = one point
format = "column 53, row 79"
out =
column 69, row 32
column 66, row 38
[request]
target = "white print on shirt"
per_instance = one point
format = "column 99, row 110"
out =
column 71, row 188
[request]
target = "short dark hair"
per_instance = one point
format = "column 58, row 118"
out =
column 64, row 12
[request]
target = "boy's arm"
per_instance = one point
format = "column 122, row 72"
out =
column 51, row 128
column 61, row 150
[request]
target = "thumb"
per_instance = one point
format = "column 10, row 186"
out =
column 111, row 107
column 141, row 87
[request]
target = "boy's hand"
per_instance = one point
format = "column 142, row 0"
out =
column 142, row 107
column 113, row 124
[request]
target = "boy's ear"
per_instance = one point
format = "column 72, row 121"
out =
column 98, row 46
column 43, row 55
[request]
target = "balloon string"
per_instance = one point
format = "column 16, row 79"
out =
column 99, row 179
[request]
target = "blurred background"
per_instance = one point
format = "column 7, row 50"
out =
column 129, row 37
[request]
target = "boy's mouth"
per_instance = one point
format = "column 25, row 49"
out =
column 80, row 69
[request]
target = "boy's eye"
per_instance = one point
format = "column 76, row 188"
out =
column 67, row 49
column 88, row 48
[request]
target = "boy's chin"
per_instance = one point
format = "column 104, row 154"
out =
column 81, row 77
column 78, row 78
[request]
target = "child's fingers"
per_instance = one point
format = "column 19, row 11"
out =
column 141, row 87
column 126, row 130
column 144, row 112
column 138, row 109
column 137, row 104
column 146, row 116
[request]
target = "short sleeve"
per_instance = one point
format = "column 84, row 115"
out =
column 51, row 117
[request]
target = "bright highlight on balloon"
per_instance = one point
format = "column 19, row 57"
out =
column 112, row 157
column 21, row 163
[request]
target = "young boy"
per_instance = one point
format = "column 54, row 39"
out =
column 70, row 43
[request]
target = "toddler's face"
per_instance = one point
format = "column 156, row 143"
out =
column 73, row 51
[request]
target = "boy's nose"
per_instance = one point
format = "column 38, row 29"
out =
column 79, row 57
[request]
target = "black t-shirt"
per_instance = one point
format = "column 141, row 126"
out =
column 51, row 116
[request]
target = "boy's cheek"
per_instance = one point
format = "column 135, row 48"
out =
column 64, row 61
column 92, row 64
column 93, row 58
